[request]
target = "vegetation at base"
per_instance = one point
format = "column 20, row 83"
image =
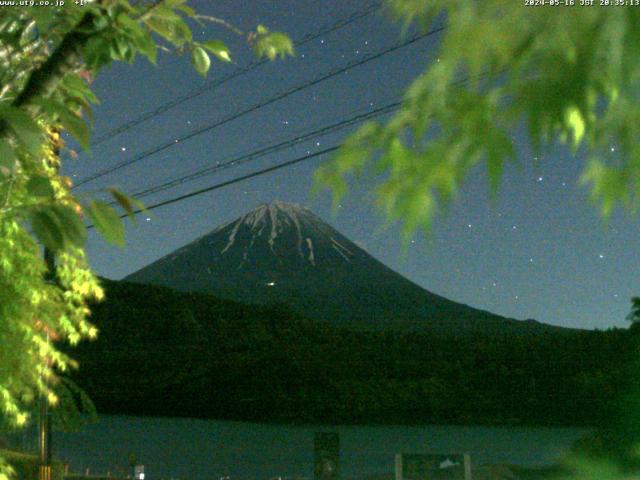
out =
column 48, row 59
column 163, row 352
column 25, row 465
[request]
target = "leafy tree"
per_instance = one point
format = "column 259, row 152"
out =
column 634, row 314
column 47, row 58
column 572, row 74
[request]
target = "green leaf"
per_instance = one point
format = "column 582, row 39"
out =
column 74, row 230
column 107, row 222
column 97, row 52
column 272, row 44
column 140, row 37
column 7, row 159
column 121, row 50
column 77, row 87
column 40, row 186
column 499, row 149
column 58, row 226
column 24, row 127
column 200, row 60
column 169, row 25
column 71, row 122
column 188, row 11
column 219, row 49
column 148, row 46
column 47, row 228
column 129, row 204
column 77, row 127
column 166, row 14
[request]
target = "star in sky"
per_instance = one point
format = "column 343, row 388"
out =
column 486, row 257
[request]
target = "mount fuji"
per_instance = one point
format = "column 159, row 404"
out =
column 281, row 253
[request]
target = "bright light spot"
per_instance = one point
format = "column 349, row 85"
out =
column 124, row 149
column 469, row 225
column 540, row 179
column 322, row 42
column 21, row 419
column 141, row 476
column 147, row 219
column 613, row 149
column 514, row 227
column 176, row 140
column 531, row 260
column 271, row 284
column 317, row 144
column 601, row 256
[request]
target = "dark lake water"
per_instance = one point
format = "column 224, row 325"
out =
column 209, row 449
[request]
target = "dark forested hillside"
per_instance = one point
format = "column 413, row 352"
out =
column 162, row 352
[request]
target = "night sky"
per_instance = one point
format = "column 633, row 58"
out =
column 539, row 251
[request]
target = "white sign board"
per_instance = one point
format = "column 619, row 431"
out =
column 433, row 467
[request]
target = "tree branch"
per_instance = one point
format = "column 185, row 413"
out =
column 220, row 21
column 46, row 78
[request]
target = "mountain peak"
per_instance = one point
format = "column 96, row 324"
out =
column 282, row 252
column 272, row 212
column 288, row 231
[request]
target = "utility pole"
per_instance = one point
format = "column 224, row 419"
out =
column 44, row 436
column 44, row 440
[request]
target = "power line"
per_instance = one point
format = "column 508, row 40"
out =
column 268, row 150
column 255, row 107
column 233, row 180
column 358, row 118
column 239, row 72
column 262, row 151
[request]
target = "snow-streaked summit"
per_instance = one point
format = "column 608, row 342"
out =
column 287, row 228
